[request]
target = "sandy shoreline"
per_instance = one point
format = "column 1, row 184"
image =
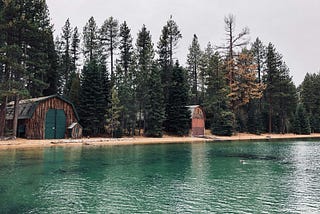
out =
column 24, row 143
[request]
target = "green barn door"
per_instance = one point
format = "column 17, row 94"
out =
column 55, row 124
column 60, row 124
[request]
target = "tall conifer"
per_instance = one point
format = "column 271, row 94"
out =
column 154, row 106
column 178, row 114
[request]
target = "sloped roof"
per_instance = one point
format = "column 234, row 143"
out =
column 28, row 106
column 192, row 108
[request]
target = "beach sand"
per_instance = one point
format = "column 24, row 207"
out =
column 25, row 143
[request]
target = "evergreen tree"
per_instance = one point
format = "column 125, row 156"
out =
column 66, row 63
column 75, row 45
column 113, row 115
column 154, row 107
column 93, row 98
column 223, row 123
column 301, row 123
column 310, row 97
column 109, row 36
column 27, row 54
column 178, row 115
column 145, row 56
column 280, row 94
column 217, row 105
column 255, row 119
column 125, row 80
column 167, row 44
column 125, row 47
column 74, row 95
column 91, row 41
column 193, row 61
column 259, row 54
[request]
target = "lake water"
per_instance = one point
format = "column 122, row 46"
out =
column 238, row 177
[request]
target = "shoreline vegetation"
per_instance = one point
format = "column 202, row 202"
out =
column 20, row 143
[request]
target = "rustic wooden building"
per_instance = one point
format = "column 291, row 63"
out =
column 197, row 121
column 44, row 117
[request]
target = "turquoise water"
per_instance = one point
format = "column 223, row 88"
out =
column 255, row 177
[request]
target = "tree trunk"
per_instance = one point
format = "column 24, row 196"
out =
column 270, row 116
column 3, row 107
column 140, row 118
column 15, row 117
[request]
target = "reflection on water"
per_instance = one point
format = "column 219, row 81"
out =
column 261, row 177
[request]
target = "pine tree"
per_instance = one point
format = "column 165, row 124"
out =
column 93, row 98
column 109, row 36
column 280, row 94
column 27, row 51
column 113, row 115
column 91, row 41
column 66, row 58
column 310, row 97
column 259, row 53
column 178, row 115
column 125, row 47
column 301, row 123
column 193, row 62
column 155, row 106
column 255, row 119
column 75, row 46
column 74, row 94
column 167, row 44
column 222, row 124
column 125, row 80
column 145, row 57
column 217, row 105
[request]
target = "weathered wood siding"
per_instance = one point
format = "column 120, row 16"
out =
column 35, row 127
column 198, row 122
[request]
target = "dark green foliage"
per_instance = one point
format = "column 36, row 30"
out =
column 93, row 98
column 127, row 98
column 113, row 114
column 193, row 64
column 222, row 123
column 315, row 123
column 27, row 47
column 178, row 115
column 125, row 75
column 254, row 122
column 145, row 55
column 75, row 48
column 301, row 124
column 126, row 49
column 259, row 53
column 216, row 103
column 280, row 94
column 66, row 66
column 154, row 106
column 91, row 42
column 109, row 36
column 74, row 94
column 168, row 42
column 310, row 97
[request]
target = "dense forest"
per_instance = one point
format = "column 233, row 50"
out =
column 125, row 87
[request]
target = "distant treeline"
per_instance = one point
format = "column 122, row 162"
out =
column 126, row 87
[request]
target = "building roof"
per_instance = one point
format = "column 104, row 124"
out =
column 28, row 106
column 192, row 108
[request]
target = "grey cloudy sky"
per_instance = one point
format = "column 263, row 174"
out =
column 293, row 26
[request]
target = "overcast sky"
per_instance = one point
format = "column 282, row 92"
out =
column 293, row 26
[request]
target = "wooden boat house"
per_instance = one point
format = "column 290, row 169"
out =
column 51, row 117
column 197, row 121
